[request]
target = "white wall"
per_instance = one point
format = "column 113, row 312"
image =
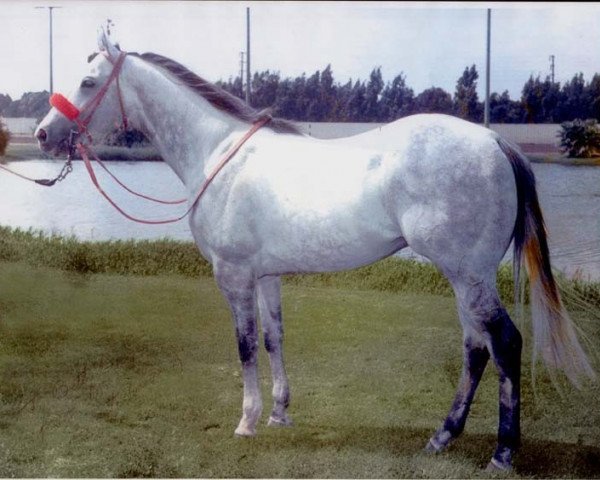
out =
column 20, row 126
column 518, row 133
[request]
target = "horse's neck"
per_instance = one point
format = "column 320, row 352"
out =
column 183, row 126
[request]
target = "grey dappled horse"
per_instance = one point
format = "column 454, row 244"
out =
column 454, row 192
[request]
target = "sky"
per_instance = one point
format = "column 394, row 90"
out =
column 431, row 43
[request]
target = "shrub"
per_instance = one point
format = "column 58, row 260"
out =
column 580, row 138
column 4, row 137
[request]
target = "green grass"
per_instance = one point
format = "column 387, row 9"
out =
column 122, row 256
column 105, row 375
column 143, row 257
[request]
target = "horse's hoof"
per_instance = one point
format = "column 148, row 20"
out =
column 244, row 432
column 433, row 447
column 497, row 467
column 280, row 422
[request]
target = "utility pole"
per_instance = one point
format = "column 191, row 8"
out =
column 486, row 109
column 552, row 68
column 50, row 34
column 248, row 55
column 242, row 70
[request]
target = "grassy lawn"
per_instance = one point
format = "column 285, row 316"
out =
column 105, row 375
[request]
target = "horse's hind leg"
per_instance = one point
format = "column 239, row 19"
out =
column 269, row 304
column 505, row 343
column 488, row 328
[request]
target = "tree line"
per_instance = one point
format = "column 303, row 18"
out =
column 319, row 98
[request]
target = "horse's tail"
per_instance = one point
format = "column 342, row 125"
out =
column 553, row 331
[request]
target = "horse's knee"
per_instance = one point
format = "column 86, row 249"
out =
column 247, row 345
column 482, row 313
column 272, row 341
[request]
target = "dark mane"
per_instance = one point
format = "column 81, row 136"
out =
column 216, row 96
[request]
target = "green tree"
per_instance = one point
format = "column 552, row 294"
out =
column 344, row 95
column 575, row 99
column 505, row 110
column 374, row 87
column 301, row 99
column 434, row 100
column 264, row 89
column 4, row 138
column 594, row 96
column 397, row 100
column 531, row 97
column 233, row 86
column 466, row 100
column 321, row 92
column 328, row 95
column 356, row 102
column 5, row 101
column 551, row 99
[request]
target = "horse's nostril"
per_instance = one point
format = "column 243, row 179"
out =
column 41, row 135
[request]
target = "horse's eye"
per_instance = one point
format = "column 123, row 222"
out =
column 88, row 82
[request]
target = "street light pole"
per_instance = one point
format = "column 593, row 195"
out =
column 486, row 109
column 248, row 99
column 50, row 8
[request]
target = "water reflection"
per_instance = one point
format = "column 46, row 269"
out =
column 74, row 207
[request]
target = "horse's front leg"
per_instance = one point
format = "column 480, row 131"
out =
column 238, row 286
column 269, row 304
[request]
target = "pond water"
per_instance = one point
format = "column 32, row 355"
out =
column 569, row 196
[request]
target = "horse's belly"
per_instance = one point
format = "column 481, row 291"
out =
column 329, row 243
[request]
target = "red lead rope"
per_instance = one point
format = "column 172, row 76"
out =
column 83, row 151
column 133, row 192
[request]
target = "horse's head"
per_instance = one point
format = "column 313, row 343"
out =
column 93, row 106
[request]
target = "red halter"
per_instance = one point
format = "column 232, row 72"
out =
column 83, row 117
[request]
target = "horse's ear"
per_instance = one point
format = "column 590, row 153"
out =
column 105, row 45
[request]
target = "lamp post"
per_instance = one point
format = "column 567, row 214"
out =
column 248, row 55
column 486, row 111
column 50, row 8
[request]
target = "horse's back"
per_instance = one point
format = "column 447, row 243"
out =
column 410, row 130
